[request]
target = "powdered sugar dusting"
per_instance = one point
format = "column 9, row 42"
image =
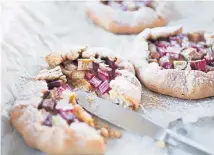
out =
column 162, row 109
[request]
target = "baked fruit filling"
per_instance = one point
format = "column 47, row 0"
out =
column 184, row 52
column 61, row 105
column 132, row 5
column 105, row 76
column 93, row 74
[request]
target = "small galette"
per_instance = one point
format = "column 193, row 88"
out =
column 175, row 63
column 127, row 17
column 47, row 113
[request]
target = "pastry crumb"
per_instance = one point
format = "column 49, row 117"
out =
column 104, row 132
column 90, row 99
column 117, row 134
column 161, row 144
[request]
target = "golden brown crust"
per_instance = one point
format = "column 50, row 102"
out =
column 56, row 58
column 78, row 138
column 122, row 22
column 51, row 74
column 185, row 84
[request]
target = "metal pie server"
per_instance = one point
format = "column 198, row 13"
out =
column 136, row 123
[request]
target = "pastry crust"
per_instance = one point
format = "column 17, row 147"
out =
column 133, row 99
column 185, row 84
column 78, row 138
column 123, row 22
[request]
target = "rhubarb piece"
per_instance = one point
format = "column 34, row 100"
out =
column 67, row 87
column 85, row 64
column 49, row 105
column 89, row 75
column 111, row 64
column 68, row 115
column 162, row 51
column 78, row 74
column 63, row 88
column 105, row 72
column 199, row 65
column 195, row 36
column 48, row 120
column 53, row 84
column 95, row 82
column 162, row 44
column 103, row 75
column 104, row 87
column 180, row 64
column 191, row 54
column 95, row 66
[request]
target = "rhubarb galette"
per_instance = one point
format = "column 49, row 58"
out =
column 47, row 113
column 174, row 63
column 125, row 17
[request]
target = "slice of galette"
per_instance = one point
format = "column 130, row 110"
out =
column 127, row 17
column 174, row 63
column 97, row 70
column 51, row 120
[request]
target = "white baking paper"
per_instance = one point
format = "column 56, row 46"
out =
column 31, row 30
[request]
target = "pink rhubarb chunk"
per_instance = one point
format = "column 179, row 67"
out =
column 199, row 65
column 68, row 115
column 103, row 75
column 104, row 87
column 89, row 75
column 48, row 120
column 63, row 88
column 95, row 82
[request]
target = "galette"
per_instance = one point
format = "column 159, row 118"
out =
column 175, row 63
column 47, row 113
column 125, row 17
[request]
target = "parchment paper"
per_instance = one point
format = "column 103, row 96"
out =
column 31, row 30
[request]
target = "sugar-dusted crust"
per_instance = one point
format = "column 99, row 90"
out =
column 123, row 22
column 183, row 84
column 78, row 138
column 133, row 99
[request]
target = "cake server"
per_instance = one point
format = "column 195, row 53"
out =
column 136, row 123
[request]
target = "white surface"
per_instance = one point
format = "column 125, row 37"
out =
column 33, row 29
